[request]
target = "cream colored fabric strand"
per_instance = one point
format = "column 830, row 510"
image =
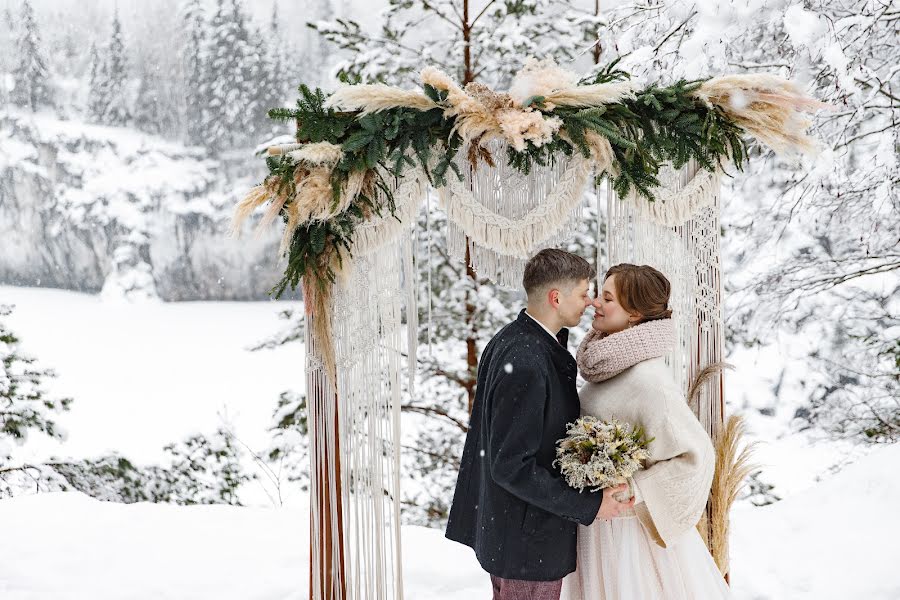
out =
column 372, row 348
column 375, row 346
column 687, row 252
column 508, row 216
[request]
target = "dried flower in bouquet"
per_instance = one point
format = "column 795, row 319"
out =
column 598, row 454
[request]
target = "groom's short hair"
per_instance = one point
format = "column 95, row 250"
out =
column 551, row 267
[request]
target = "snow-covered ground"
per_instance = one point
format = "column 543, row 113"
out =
column 837, row 539
column 146, row 374
column 832, row 542
column 143, row 375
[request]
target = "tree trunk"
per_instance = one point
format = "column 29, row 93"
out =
column 472, row 291
column 597, row 50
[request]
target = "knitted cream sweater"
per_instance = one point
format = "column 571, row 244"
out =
column 675, row 484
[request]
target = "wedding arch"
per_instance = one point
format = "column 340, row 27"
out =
column 510, row 171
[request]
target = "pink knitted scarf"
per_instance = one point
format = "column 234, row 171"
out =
column 601, row 356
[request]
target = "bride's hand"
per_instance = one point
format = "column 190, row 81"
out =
column 610, row 506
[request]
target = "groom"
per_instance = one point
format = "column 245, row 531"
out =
column 511, row 505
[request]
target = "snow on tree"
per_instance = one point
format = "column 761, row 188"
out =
column 98, row 92
column 7, row 53
column 25, row 405
column 271, row 80
column 227, row 84
column 201, row 469
column 115, row 78
column 288, row 451
column 811, row 252
column 31, row 78
column 193, row 65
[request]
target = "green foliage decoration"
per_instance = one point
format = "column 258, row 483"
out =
column 655, row 125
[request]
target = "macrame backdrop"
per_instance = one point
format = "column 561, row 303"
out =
column 679, row 235
column 357, row 489
column 507, row 217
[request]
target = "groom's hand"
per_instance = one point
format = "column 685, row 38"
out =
column 609, row 506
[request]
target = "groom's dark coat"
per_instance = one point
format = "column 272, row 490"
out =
column 511, row 505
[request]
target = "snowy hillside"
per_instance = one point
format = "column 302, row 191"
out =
column 833, row 542
column 96, row 208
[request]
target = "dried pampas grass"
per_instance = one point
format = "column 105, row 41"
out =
column 313, row 197
column 318, row 154
column 271, row 188
column 317, row 296
column 541, row 78
column 521, row 126
column 256, row 197
column 767, row 107
column 290, row 226
column 591, row 95
column 474, row 117
column 733, row 465
column 601, row 152
column 378, row 96
column 702, row 378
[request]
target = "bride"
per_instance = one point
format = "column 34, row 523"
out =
column 652, row 551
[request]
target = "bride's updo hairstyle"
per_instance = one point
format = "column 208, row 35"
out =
column 642, row 290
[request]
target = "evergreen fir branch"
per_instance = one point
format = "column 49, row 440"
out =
column 658, row 124
column 608, row 74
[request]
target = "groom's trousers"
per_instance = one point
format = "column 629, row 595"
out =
column 517, row 589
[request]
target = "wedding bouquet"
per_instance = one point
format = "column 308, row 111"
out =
column 599, row 454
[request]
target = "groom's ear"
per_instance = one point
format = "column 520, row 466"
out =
column 553, row 297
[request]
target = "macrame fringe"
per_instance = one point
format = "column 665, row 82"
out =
column 372, row 346
column 673, row 208
column 378, row 232
column 517, row 237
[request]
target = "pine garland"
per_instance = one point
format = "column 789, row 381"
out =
column 645, row 129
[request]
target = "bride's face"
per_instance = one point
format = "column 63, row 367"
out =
column 609, row 316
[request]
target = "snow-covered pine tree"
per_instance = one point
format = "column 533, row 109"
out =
column 116, row 78
column 98, row 93
column 201, row 469
column 152, row 113
column 7, row 49
column 25, row 405
column 272, row 81
column 288, row 452
column 266, row 83
column 31, row 78
column 227, row 83
column 156, row 49
column 193, row 65
column 257, row 63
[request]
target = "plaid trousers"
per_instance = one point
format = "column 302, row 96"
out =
column 517, row 589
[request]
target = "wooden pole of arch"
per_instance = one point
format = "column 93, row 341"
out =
column 329, row 553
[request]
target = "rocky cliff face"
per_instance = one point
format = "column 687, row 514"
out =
column 102, row 209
